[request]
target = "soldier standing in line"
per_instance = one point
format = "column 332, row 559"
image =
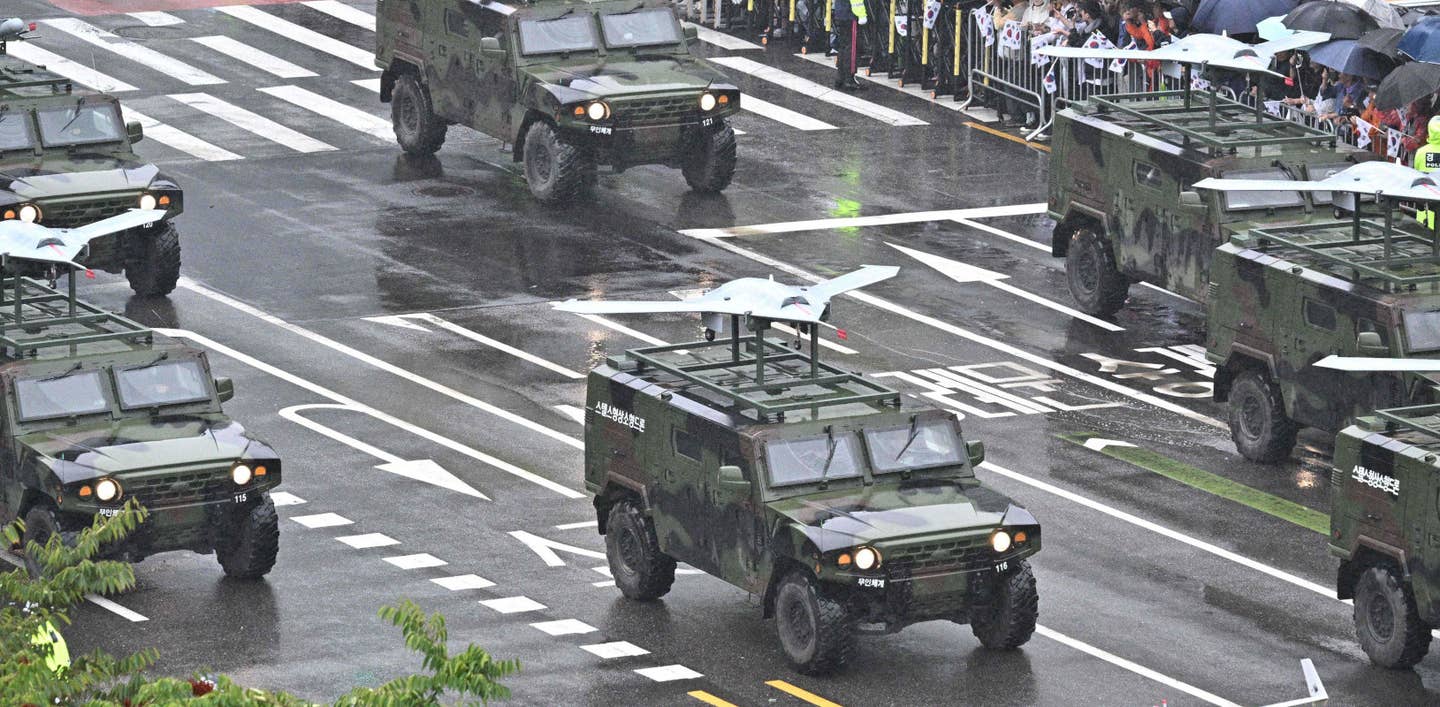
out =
column 847, row 16
column 1427, row 159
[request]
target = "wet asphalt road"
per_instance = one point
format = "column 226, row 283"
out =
column 1151, row 589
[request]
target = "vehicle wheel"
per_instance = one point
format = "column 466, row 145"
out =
column 1095, row 282
column 154, row 264
column 1009, row 620
column 711, row 166
column 1258, row 423
column 815, row 631
column 418, row 130
column 557, row 170
column 641, row 571
column 251, row 543
column 1386, row 621
column 41, row 524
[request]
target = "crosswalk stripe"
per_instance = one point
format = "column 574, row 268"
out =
column 722, row 40
column 814, row 90
column 75, row 71
column 263, row 61
column 883, row 79
column 340, row 10
column 169, row 66
column 782, row 114
column 334, row 110
column 368, row 84
column 285, row 28
column 252, row 122
column 157, row 19
column 179, row 139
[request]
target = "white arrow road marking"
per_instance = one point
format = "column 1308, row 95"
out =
column 546, row 548
column 963, row 272
column 1100, row 443
column 1312, row 685
column 96, row 599
column 492, row 343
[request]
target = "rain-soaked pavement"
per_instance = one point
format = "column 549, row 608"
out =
column 358, row 278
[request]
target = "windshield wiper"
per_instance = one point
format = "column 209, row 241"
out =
column 157, row 360
column 78, row 104
column 914, row 432
column 830, row 453
column 58, row 376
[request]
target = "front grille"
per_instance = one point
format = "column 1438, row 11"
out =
column 965, row 554
column 179, row 488
column 71, row 213
column 652, row 112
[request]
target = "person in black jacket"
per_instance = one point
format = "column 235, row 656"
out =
column 846, row 18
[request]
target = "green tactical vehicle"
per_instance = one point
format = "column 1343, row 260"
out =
column 807, row 486
column 572, row 84
column 1385, row 528
column 98, row 409
column 67, row 159
column 1121, row 170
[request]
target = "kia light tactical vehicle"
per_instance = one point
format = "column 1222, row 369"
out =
column 571, row 84
column 67, row 159
column 805, row 485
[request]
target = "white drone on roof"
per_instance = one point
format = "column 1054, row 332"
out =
column 1212, row 50
column 1378, row 178
column 21, row 240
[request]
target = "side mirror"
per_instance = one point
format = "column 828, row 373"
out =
column 224, row 389
column 691, row 33
column 732, row 487
column 490, row 44
column 1368, row 342
column 976, row 451
column 1191, row 198
column 135, row 131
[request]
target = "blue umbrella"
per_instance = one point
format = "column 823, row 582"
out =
column 1422, row 42
column 1348, row 57
column 1237, row 16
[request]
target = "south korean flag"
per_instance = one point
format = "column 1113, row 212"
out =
column 1051, row 85
column 1012, row 36
column 986, row 26
column 1097, row 40
column 1394, row 142
column 932, row 13
column 1118, row 66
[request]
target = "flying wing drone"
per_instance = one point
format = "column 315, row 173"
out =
column 1201, row 49
column 32, row 242
column 1386, row 179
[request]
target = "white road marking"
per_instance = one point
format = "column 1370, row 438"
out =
column 722, row 40
column 340, row 10
column 513, row 605
column 667, row 673
column 462, row 582
column 416, row 562
column 564, row 627
column 578, row 526
column 178, row 139
column 348, row 116
column 110, row 606
column 75, row 71
column 364, row 58
column 913, row 89
column 157, row 19
column 964, row 272
column 322, row 520
column 372, row 85
column 814, row 90
column 368, row 540
column 174, row 68
column 617, row 326
column 492, row 343
column 603, row 569
column 572, row 412
column 546, row 548
column 251, row 122
column 861, row 221
column 1099, row 443
column 1134, row 667
column 285, row 498
column 766, row 109
column 615, row 649
column 603, row 583
column 247, row 54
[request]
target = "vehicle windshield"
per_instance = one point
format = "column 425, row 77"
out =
column 1245, row 200
column 15, row 130
column 797, row 461
column 926, row 444
column 1422, row 331
column 1317, row 172
column 644, row 28
column 79, row 393
column 80, row 124
column 162, row 384
column 563, row 34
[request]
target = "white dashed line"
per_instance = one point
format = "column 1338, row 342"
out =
column 603, row 569
column 1133, row 667
column 462, row 582
column 322, row 520
column 114, row 608
column 285, row 498
column 667, row 673
column 513, row 605
column 415, row 562
column 564, row 627
column 368, row 540
column 616, row 649
column 605, row 583
column 577, row 526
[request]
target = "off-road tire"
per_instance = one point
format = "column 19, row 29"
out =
column 557, row 171
column 1008, row 620
column 418, row 130
column 641, row 571
column 1096, row 282
column 40, row 524
column 250, row 544
column 153, row 265
column 710, row 166
column 1387, row 623
column 1258, row 424
column 816, row 632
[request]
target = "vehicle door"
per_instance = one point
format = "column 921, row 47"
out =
column 1419, row 486
column 494, row 69
column 734, row 523
column 1322, row 398
column 452, row 46
column 679, row 501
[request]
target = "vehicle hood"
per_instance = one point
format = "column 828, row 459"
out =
column 843, row 518
column 138, row 445
column 60, row 178
column 612, row 78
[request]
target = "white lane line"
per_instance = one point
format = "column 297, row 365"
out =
column 179, row 139
column 761, row 229
column 364, row 58
column 252, row 122
column 371, row 85
column 416, row 562
column 348, row 116
column 604, row 570
column 824, row 343
column 617, row 326
column 722, row 40
column 368, row 540
column 667, row 673
column 1136, row 668
column 112, row 607
column 390, row 368
column 247, row 54
column 340, row 10
column 157, row 19
column 572, row 412
column 766, row 109
column 564, row 627
column 146, row 56
column 75, row 71
column 492, row 343
column 463, row 581
column 814, row 90
column 285, row 498
column 981, row 339
column 512, row 605
column 322, row 520
column 578, row 526
column 883, row 80
column 603, row 583
column 615, row 649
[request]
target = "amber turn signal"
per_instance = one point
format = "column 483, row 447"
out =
column 1020, row 537
column 843, row 560
column 84, row 491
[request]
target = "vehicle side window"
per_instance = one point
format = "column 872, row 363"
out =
column 455, row 23
column 490, row 23
column 1319, row 315
column 1364, row 325
column 1148, row 175
column 687, row 445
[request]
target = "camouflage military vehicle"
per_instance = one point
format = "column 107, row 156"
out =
column 98, row 410
column 67, row 159
column 812, row 489
column 572, row 84
column 1385, row 529
column 1121, row 170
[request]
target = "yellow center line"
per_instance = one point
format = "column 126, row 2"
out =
column 1007, row 136
column 806, row 695
column 709, row 699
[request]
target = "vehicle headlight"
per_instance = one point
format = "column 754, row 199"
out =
column 1000, row 541
column 107, row 490
column 241, row 474
column 707, row 101
column 147, row 201
column 29, row 213
column 597, row 111
column 867, row 558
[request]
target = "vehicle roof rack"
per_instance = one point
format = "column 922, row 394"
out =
column 1358, row 249
column 34, row 316
column 1424, row 419
column 1217, row 123
column 16, row 75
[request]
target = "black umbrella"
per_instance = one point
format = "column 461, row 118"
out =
column 1382, row 41
column 1341, row 20
column 1348, row 57
column 1416, row 79
column 1235, row 16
